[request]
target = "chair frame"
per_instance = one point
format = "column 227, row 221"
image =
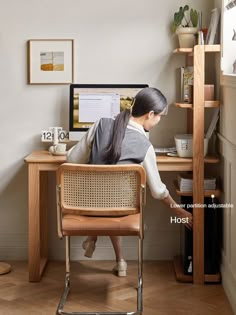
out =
column 142, row 200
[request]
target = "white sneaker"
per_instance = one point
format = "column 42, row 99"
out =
column 89, row 247
column 120, row 268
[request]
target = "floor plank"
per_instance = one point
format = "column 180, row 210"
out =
column 95, row 288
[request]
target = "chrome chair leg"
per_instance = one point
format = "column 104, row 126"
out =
column 67, row 279
column 64, row 295
column 140, row 277
column 67, row 253
column 67, row 286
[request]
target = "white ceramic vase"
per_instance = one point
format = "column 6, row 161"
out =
column 186, row 36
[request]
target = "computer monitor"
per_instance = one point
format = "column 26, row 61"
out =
column 90, row 102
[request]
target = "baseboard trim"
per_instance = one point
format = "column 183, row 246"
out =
column 107, row 253
column 13, row 253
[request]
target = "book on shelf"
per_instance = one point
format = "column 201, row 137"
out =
column 186, row 84
column 185, row 182
column 212, row 29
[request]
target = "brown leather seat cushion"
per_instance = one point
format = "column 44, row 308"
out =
column 101, row 226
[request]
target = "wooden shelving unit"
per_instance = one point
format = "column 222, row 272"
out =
column 195, row 125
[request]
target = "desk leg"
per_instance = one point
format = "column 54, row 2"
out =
column 37, row 194
column 43, row 220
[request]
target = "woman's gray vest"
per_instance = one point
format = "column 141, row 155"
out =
column 134, row 145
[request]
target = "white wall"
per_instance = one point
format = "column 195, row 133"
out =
column 228, row 149
column 123, row 41
column 228, row 166
column 229, row 45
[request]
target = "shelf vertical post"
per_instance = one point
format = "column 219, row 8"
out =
column 198, row 164
column 189, row 63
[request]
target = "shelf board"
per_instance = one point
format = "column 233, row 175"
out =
column 212, row 48
column 184, row 105
column 207, row 193
column 208, row 104
column 212, row 103
column 183, row 50
column 169, row 163
column 211, row 159
column 208, row 48
column 180, row 276
column 181, row 160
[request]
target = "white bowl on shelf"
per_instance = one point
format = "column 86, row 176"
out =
column 184, row 145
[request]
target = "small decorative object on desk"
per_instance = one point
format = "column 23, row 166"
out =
column 185, row 25
column 58, row 149
column 57, row 136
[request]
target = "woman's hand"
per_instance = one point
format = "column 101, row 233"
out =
column 183, row 214
column 179, row 212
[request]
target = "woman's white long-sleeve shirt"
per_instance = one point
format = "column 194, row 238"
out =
column 80, row 153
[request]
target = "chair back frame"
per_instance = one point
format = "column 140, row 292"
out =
column 99, row 190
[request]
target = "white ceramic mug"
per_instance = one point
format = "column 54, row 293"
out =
column 58, row 148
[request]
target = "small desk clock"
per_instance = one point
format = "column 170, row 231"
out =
column 55, row 135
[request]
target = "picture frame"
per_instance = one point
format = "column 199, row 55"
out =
column 50, row 61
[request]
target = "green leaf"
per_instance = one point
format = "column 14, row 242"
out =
column 186, row 7
column 194, row 17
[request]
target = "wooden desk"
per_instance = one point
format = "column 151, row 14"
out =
column 41, row 162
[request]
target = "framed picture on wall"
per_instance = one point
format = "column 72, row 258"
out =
column 50, row 61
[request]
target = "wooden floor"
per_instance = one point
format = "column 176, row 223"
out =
column 95, row 288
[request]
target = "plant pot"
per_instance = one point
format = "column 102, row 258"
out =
column 186, row 36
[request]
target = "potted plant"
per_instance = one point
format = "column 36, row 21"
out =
column 185, row 25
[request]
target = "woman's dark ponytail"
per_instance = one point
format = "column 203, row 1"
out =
column 148, row 99
column 113, row 151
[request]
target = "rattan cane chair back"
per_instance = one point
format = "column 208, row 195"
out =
column 98, row 191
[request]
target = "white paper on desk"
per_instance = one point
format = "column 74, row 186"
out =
column 93, row 106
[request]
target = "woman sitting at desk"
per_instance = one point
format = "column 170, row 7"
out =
column 124, row 140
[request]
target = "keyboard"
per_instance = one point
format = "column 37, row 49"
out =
column 165, row 150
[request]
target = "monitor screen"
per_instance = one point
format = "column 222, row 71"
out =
column 90, row 102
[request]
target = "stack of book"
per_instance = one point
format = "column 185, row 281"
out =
column 185, row 183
